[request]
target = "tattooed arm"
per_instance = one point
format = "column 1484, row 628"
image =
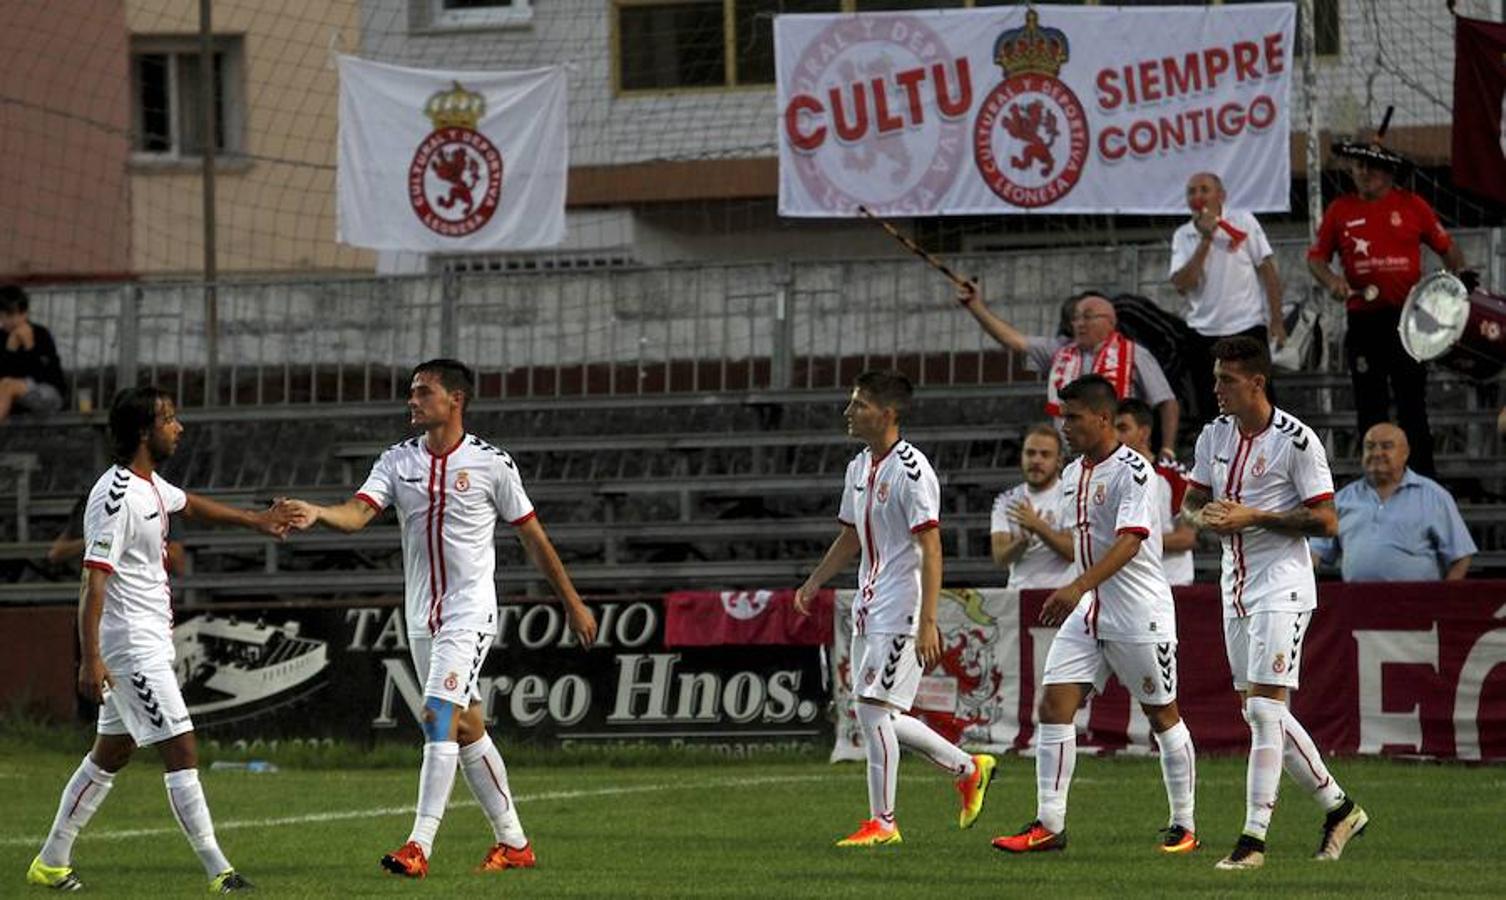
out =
column 1318, row 520
column 1192, row 506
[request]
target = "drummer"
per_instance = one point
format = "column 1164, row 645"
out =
column 1378, row 230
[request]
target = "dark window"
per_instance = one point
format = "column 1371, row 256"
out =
column 886, row 5
column 168, row 111
column 754, row 27
column 153, row 104
column 671, row 45
column 191, row 122
column 1325, row 17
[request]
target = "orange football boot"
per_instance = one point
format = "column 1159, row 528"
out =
column 1033, row 838
column 501, row 857
column 871, row 833
column 407, row 860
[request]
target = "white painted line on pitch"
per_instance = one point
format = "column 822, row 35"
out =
column 341, row 815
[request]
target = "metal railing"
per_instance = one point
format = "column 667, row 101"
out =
column 711, row 326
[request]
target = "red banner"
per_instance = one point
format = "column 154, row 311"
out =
column 718, row 618
column 1406, row 669
column 1479, row 152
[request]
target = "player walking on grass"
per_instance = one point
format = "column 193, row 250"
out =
column 125, row 637
column 1115, row 617
column 449, row 487
column 890, row 511
column 1261, row 481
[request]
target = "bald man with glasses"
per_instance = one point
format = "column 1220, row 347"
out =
column 1095, row 348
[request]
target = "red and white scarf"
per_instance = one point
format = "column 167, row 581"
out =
column 1115, row 360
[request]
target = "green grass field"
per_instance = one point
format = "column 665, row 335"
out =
column 661, row 827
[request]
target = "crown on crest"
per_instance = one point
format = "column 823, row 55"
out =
column 455, row 107
column 1031, row 49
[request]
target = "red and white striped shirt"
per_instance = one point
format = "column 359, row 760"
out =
column 448, row 507
column 889, row 500
column 1276, row 470
column 1103, row 500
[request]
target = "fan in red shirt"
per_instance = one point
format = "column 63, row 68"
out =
column 1378, row 231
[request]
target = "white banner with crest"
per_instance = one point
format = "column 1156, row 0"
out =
column 1019, row 109
column 450, row 161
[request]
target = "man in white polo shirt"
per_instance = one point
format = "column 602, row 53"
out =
column 1223, row 270
column 890, row 514
column 449, row 488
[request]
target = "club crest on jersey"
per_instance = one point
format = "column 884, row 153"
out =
column 868, row 675
column 463, row 481
column 1100, row 494
column 1260, row 466
column 451, row 681
column 1395, row 219
column 1279, row 665
column 1148, row 686
column 883, row 491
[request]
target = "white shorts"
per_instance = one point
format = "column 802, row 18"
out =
column 448, row 665
column 146, row 702
column 1265, row 648
column 1147, row 671
column 885, row 668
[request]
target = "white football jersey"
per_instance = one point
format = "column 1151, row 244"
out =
column 1106, row 499
column 448, row 507
column 1039, row 566
column 125, row 534
column 889, row 500
column 1178, row 566
column 1279, row 469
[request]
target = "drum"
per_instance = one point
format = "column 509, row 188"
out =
column 1443, row 322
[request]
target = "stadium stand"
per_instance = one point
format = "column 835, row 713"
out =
column 701, row 489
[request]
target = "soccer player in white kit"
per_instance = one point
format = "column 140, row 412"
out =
column 1261, row 481
column 125, row 637
column 449, row 488
column 890, row 514
column 1025, row 528
column 1115, row 617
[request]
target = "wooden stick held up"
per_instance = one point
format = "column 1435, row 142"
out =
column 909, row 244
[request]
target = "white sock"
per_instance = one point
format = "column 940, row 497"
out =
column 944, row 754
column 186, row 796
column 1303, row 762
column 86, row 790
column 1264, row 774
column 1179, row 772
column 487, row 776
column 436, row 778
column 1055, row 760
column 883, row 760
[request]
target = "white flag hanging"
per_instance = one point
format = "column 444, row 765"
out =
column 451, row 162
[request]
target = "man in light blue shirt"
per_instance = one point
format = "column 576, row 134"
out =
column 1395, row 525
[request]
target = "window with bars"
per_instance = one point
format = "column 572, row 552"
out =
column 707, row 44
column 167, row 99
